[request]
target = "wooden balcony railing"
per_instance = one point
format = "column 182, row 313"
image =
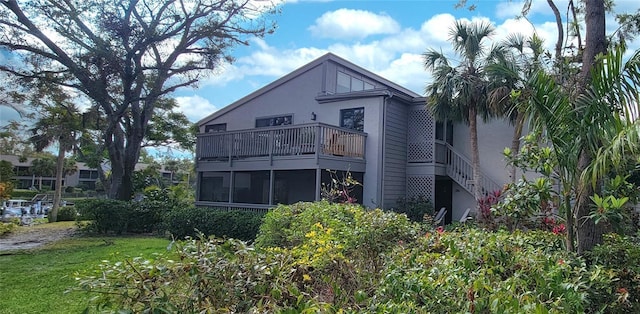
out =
column 320, row 139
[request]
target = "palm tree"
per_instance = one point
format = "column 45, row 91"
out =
column 459, row 93
column 42, row 167
column 513, row 62
column 59, row 124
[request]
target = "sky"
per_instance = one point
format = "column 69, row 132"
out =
column 386, row 37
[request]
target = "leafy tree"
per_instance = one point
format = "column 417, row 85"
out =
column 6, row 171
column 44, row 166
column 6, row 179
column 170, row 128
column 459, row 92
column 10, row 97
column 149, row 176
column 126, row 56
column 14, row 141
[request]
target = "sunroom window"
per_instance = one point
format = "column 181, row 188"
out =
column 348, row 83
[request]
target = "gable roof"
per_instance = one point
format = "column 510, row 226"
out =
column 395, row 88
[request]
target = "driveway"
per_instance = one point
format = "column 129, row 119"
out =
column 28, row 237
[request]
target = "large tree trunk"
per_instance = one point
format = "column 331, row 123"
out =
column 57, row 194
column 124, row 151
column 588, row 233
column 475, row 154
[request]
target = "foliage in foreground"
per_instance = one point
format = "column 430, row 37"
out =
column 331, row 257
column 35, row 281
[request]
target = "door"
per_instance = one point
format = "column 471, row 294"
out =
column 443, row 198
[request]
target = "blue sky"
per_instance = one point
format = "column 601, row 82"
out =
column 386, row 37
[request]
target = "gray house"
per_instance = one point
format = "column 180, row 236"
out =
column 275, row 145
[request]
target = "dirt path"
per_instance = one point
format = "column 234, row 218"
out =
column 28, row 237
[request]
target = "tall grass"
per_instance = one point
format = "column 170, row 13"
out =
column 35, row 281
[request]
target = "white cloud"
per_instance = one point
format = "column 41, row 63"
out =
column 438, row 27
column 407, row 71
column 349, row 24
column 195, row 107
column 396, row 57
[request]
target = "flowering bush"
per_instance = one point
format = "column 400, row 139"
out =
column 523, row 202
column 485, row 205
column 481, row 272
column 333, row 258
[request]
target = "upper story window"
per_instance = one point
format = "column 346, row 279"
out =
column 220, row 127
column 88, row 174
column 348, row 83
column 352, row 118
column 274, row 121
column 441, row 127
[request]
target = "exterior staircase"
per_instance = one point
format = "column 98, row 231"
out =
column 42, row 197
column 460, row 169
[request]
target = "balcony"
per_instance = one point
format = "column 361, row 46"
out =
column 306, row 141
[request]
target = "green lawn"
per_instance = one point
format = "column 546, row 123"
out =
column 35, row 281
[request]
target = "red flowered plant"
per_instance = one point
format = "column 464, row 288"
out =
column 486, row 203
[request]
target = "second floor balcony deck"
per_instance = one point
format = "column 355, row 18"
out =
column 315, row 140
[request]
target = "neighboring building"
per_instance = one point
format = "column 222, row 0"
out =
column 85, row 177
column 274, row 145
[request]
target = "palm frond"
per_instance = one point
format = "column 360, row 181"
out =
column 434, row 59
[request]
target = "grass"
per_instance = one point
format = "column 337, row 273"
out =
column 35, row 281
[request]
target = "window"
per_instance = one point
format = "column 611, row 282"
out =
column 352, row 119
column 88, row 174
column 274, row 121
column 214, row 186
column 344, row 83
column 439, row 131
column 347, row 83
column 220, row 127
column 251, row 187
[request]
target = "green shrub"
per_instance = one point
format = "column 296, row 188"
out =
column 481, row 272
column 210, row 276
column 211, row 222
column 331, row 258
column 6, row 228
column 414, row 207
column 342, row 245
column 620, row 255
column 23, row 194
column 105, row 215
column 67, row 213
column 146, row 215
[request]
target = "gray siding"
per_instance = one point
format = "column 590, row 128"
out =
column 395, row 153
